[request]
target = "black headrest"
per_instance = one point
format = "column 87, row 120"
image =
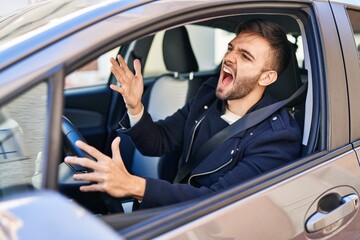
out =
column 288, row 82
column 178, row 54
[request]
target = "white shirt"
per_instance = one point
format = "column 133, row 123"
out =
column 230, row 117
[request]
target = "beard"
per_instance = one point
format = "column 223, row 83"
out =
column 241, row 87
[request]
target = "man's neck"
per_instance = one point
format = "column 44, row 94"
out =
column 242, row 105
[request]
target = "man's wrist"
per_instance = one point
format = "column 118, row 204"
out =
column 135, row 118
column 138, row 188
column 135, row 110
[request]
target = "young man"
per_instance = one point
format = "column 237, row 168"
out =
column 254, row 59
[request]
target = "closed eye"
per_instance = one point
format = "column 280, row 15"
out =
column 244, row 54
column 246, row 57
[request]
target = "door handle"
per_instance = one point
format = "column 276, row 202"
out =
column 321, row 219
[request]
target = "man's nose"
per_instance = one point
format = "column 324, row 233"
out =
column 230, row 58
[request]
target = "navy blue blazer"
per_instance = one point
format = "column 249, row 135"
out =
column 267, row 145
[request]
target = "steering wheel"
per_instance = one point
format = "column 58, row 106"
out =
column 71, row 134
column 97, row 202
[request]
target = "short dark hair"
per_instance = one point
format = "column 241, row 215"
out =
column 276, row 37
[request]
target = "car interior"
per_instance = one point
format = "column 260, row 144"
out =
column 182, row 75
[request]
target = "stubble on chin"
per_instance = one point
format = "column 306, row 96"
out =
column 238, row 90
column 219, row 94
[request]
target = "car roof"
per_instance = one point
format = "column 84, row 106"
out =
column 42, row 24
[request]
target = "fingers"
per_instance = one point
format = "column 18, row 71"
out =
column 116, row 68
column 85, row 162
column 123, row 63
column 107, row 171
column 115, row 148
column 137, row 67
column 117, row 88
column 92, row 177
column 123, row 75
column 90, row 150
column 118, row 72
column 92, row 188
column 120, row 69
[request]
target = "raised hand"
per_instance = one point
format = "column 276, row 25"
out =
column 109, row 175
column 131, row 86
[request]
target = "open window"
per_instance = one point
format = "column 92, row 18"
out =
column 208, row 41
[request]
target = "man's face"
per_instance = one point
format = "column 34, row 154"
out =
column 243, row 64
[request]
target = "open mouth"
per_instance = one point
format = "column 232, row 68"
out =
column 227, row 77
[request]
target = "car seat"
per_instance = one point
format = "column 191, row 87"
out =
column 286, row 85
column 166, row 95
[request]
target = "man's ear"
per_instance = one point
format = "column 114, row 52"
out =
column 267, row 78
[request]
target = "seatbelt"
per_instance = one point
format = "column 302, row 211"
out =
column 247, row 121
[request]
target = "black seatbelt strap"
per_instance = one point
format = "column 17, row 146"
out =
column 246, row 122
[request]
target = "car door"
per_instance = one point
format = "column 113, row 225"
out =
column 316, row 196
column 281, row 204
column 294, row 194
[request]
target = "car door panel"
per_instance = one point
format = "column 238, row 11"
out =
column 281, row 212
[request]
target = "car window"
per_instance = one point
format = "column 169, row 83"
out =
column 209, row 45
column 208, row 53
column 355, row 22
column 22, row 138
column 94, row 73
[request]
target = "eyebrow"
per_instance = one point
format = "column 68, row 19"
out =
column 243, row 50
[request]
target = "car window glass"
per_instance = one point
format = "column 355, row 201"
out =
column 22, row 138
column 208, row 53
column 355, row 22
column 94, row 73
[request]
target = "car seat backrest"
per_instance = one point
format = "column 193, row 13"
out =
column 289, row 81
column 287, row 84
column 178, row 54
column 166, row 96
column 169, row 92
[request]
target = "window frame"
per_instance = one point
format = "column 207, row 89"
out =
column 266, row 180
column 351, row 64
